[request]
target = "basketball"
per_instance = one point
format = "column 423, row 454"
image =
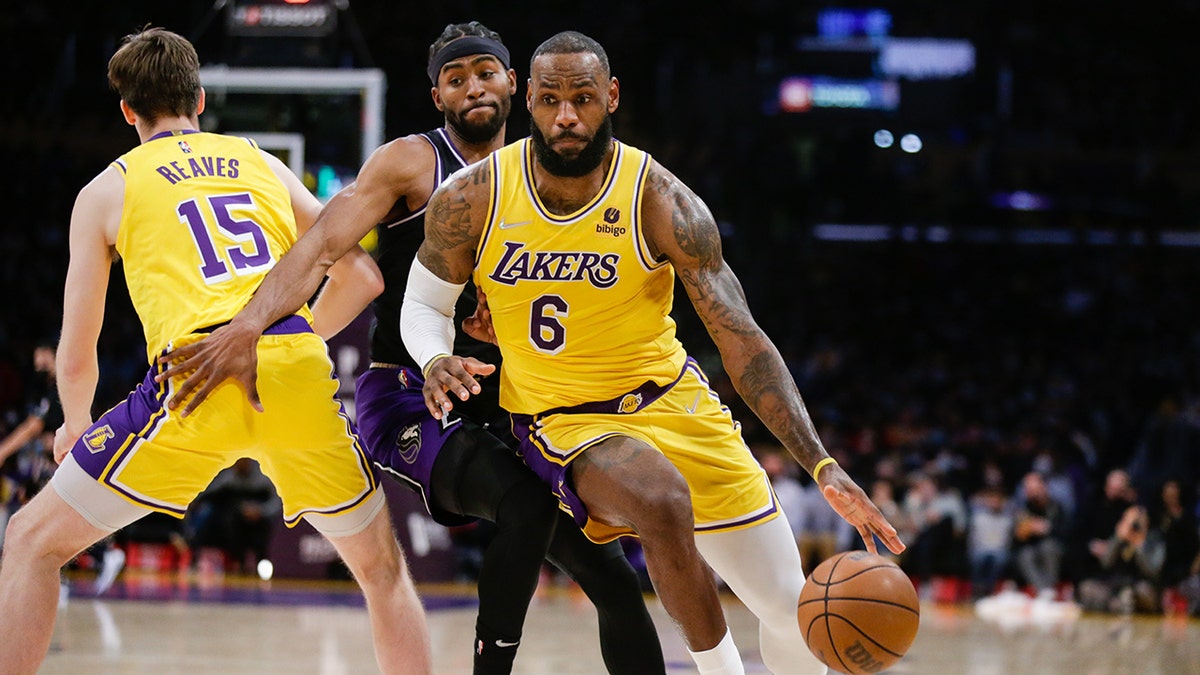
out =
column 858, row 612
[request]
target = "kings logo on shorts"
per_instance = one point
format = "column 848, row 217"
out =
column 408, row 443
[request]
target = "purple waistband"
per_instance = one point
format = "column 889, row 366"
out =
column 626, row 403
column 288, row 325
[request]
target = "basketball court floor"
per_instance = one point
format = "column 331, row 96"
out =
column 156, row 623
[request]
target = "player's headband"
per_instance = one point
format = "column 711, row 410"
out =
column 472, row 44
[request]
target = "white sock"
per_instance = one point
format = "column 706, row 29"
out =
column 720, row 660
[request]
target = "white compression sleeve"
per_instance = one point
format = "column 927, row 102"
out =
column 427, row 315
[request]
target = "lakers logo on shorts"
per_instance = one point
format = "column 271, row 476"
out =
column 629, row 403
column 408, row 443
column 96, row 438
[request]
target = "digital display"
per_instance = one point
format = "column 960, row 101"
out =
column 802, row 94
column 264, row 18
column 841, row 23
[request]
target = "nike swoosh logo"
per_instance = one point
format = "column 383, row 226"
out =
column 447, row 422
column 695, row 404
column 505, row 226
column 502, row 643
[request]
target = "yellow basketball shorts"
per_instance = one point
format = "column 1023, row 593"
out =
column 305, row 443
column 686, row 422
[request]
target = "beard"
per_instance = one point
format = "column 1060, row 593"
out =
column 582, row 163
column 479, row 132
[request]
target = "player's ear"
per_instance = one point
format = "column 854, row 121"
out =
column 437, row 99
column 127, row 112
column 614, row 95
column 200, row 103
column 512, row 82
column 529, row 95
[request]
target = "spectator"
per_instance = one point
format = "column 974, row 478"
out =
column 235, row 514
column 1177, row 527
column 1129, row 568
column 1103, row 517
column 989, row 539
column 1040, row 535
column 788, row 490
column 939, row 517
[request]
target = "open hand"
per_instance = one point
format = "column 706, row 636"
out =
column 451, row 376
column 479, row 324
column 230, row 352
column 853, row 505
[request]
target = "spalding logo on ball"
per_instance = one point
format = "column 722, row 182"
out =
column 858, row 612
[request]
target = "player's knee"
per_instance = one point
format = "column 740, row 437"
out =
column 27, row 537
column 667, row 510
column 373, row 556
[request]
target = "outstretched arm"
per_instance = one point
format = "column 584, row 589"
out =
column 230, row 352
column 454, row 222
column 679, row 227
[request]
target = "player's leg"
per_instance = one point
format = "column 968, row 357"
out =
column 398, row 625
column 43, row 536
column 476, row 475
column 628, row 638
column 768, row 583
column 626, row 483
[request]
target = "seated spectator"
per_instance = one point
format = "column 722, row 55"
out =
column 1040, row 535
column 1104, row 514
column 939, row 517
column 1177, row 527
column 1130, row 565
column 235, row 514
column 989, row 539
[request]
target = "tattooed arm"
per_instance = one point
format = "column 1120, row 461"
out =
column 454, row 222
column 680, row 228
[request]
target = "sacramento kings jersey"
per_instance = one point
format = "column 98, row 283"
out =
column 579, row 304
column 205, row 219
column 400, row 235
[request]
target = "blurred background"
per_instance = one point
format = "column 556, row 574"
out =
column 972, row 228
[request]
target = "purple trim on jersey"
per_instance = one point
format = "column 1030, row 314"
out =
column 289, row 325
column 610, row 180
column 173, row 132
column 441, row 131
column 399, row 434
column 110, row 439
column 639, row 236
column 751, row 518
column 552, row 473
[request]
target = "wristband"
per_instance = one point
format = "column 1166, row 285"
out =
column 821, row 465
column 435, row 359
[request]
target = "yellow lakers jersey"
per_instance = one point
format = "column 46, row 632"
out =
column 204, row 220
column 580, row 307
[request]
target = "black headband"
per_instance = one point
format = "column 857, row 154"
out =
column 472, row 44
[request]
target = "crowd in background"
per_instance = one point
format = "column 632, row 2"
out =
column 1023, row 413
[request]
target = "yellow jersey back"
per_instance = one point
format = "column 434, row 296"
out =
column 205, row 219
column 580, row 308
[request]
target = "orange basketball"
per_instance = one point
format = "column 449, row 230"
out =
column 858, row 612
